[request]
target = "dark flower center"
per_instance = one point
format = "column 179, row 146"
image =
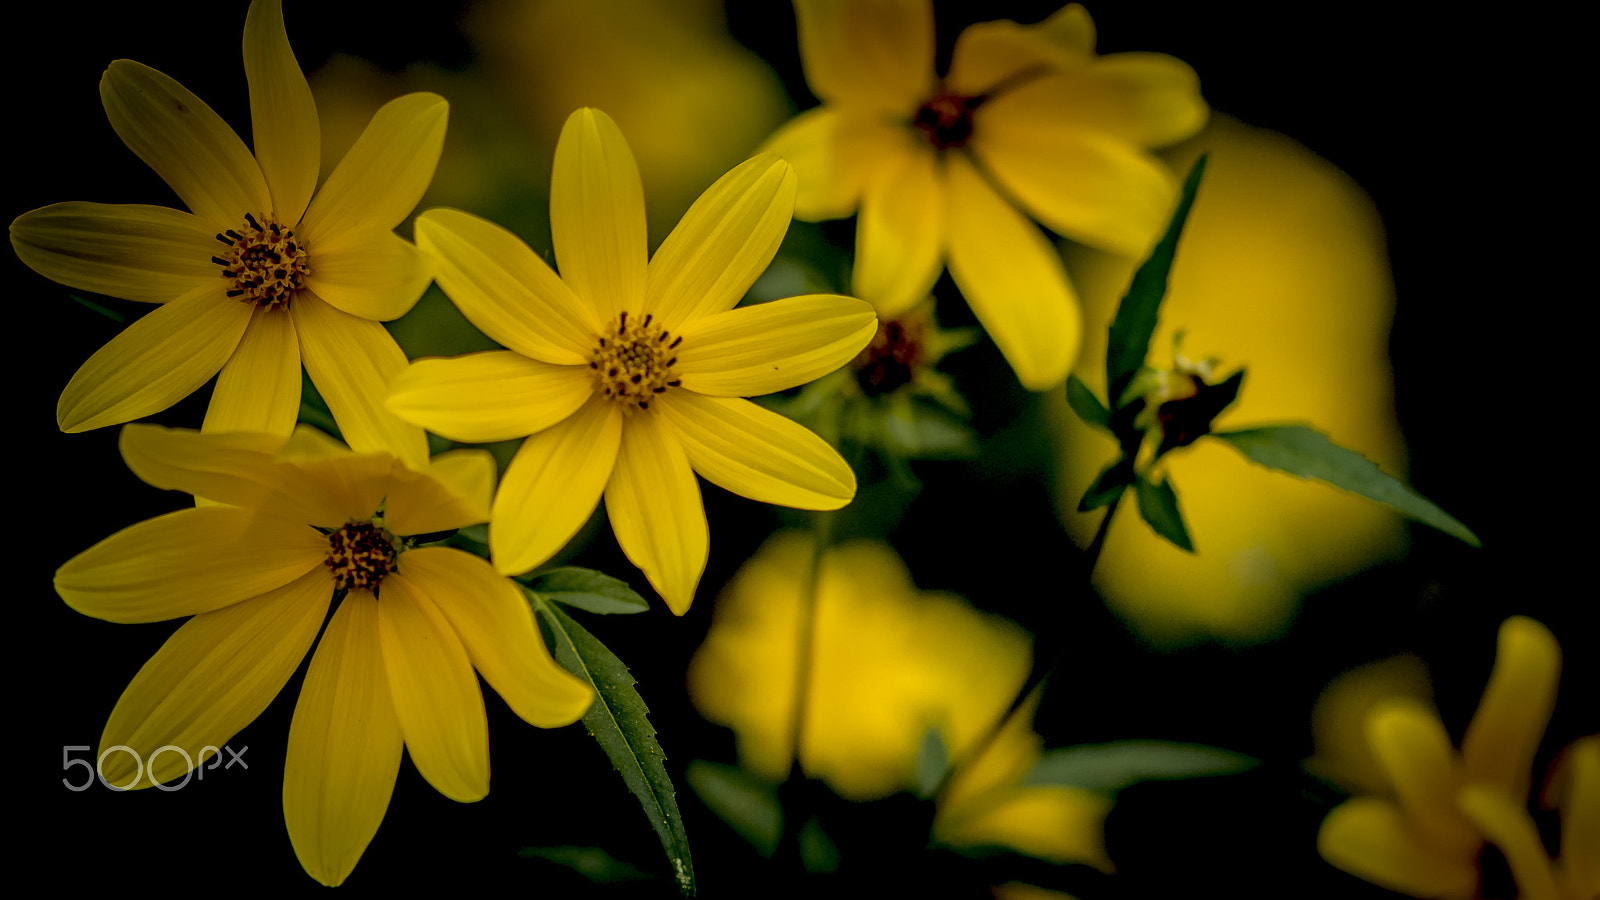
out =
column 946, row 120
column 893, row 358
column 360, row 554
column 633, row 362
column 265, row 263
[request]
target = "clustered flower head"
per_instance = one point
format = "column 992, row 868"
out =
column 290, row 526
column 1427, row 837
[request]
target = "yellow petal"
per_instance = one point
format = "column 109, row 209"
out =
column 369, row 273
column 597, row 215
column 757, row 453
column 1050, row 822
column 436, row 696
column 496, row 626
column 1410, row 743
column 352, row 483
column 1013, row 280
column 155, row 362
column 1091, row 187
column 773, row 346
column 988, row 55
column 1148, row 99
column 283, row 117
column 835, row 154
column 351, row 361
column 212, row 678
column 1580, row 817
column 1504, row 733
column 869, row 54
column 505, row 289
column 187, row 144
column 187, row 562
column 146, row 253
column 379, row 182
column 552, row 486
column 1509, row 827
column 491, row 396
column 1369, row 838
column 653, row 502
column 344, row 746
column 454, row 492
column 259, row 387
column 900, row 236
column 723, row 243
column 236, row 468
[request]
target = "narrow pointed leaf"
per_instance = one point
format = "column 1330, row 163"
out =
column 1158, row 505
column 1114, row 766
column 1108, row 486
column 593, row 863
column 1302, row 450
column 588, row 590
column 1136, row 315
column 619, row 722
column 749, row 805
column 1086, row 404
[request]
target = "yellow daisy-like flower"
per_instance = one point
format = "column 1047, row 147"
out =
column 296, row 522
column 260, row 275
column 1425, row 838
column 627, row 375
column 1028, row 123
column 889, row 663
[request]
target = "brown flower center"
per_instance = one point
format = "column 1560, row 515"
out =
column 265, row 263
column 360, row 554
column 946, row 120
column 897, row 352
column 633, row 362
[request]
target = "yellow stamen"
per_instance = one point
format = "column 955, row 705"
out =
column 265, row 262
column 360, row 554
column 633, row 362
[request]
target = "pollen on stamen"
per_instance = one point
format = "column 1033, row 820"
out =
column 634, row 364
column 267, row 265
column 360, row 554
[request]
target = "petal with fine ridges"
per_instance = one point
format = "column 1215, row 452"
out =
column 283, row 117
column 757, row 453
column 369, row 273
column 653, row 502
column 436, row 697
column 187, row 562
column 381, row 179
column 259, row 386
column 597, row 215
column 147, row 253
column 454, row 492
column 723, row 243
column 187, row 144
column 491, row 396
column 773, row 346
column 496, row 626
column 344, row 746
column 155, row 362
column 212, row 678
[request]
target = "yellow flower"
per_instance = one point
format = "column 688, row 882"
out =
column 1029, row 122
column 260, row 275
column 297, row 522
column 1425, row 837
column 627, row 375
column 1282, row 271
column 889, row 663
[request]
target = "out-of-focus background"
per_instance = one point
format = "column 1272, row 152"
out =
column 1388, row 239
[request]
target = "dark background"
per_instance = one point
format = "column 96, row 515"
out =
column 1461, row 128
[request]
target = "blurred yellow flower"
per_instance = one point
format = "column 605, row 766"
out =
column 1423, row 836
column 260, row 275
column 889, row 663
column 627, row 376
column 1029, row 122
column 294, row 523
column 1282, row 269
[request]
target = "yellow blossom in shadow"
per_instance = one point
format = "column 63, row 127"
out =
column 889, row 663
column 1424, row 835
column 265, row 272
column 291, row 526
column 627, row 373
column 1281, row 270
column 1028, row 124
column 1338, row 721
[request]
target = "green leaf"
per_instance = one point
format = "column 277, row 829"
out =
column 1158, row 505
column 1136, row 316
column 932, row 762
column 1302, row 450
column 748, row 804
column 1086, row 404
column 619, row 721
column 592, row 863
column 1108, row 486
column 1114, row 766
column 106, row 311
column 588, row 590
